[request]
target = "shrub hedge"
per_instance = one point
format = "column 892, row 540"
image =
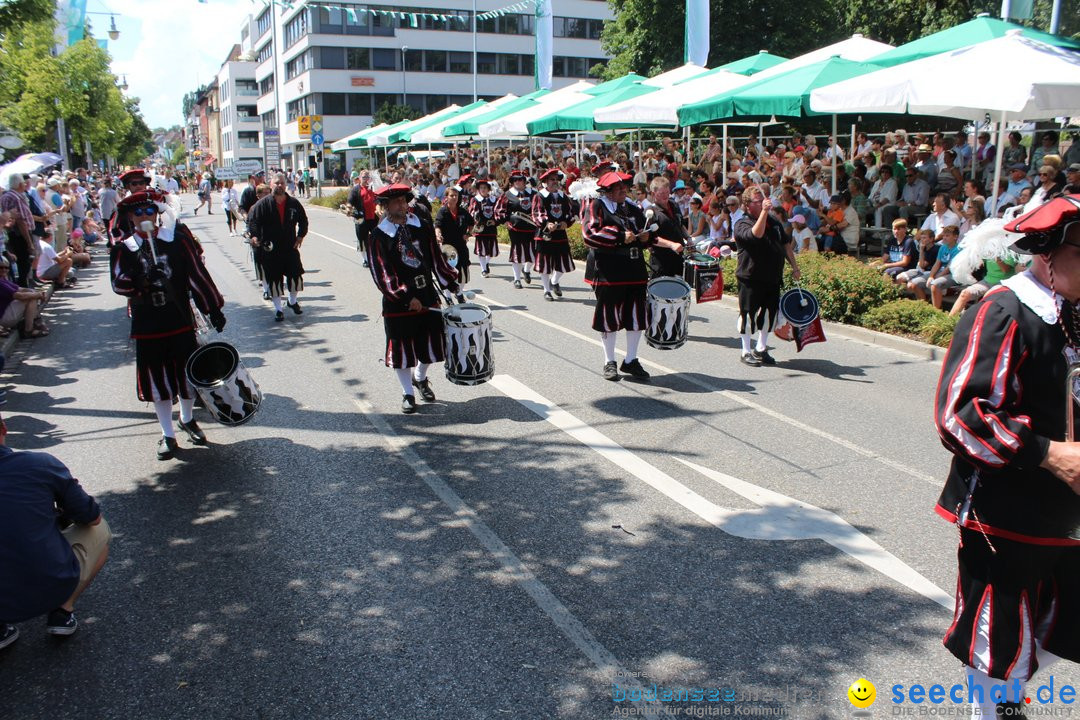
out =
column 905, row 317
column 333, row 200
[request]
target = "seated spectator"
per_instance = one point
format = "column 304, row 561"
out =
column 941, row 216
column 883, row 194
column 927, row 250
column 80, row 258
column 859, row 202
column 927, row 166
column 719, row 223
column 900, row 254
column 43, row 569
column 1018, row 179
column 835, row 222
column 697, row 224
column 939, row 279
column 19, row 305
column 914, row 200
column 972, row 213
column 949, row 176
column 53, row 266
column 1049, row 186
column 802, row 235
column 1072, row 175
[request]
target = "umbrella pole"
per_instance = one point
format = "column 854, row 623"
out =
column 851, row 155
column 836, row 144
column 997, row 162
column 723, row 170
column 974, row 147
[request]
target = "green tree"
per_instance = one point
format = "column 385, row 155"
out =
column 190, row 98
column 138, row 142
column 17, row 13
column 390, row 113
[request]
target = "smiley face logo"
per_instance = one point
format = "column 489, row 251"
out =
column 862, row 693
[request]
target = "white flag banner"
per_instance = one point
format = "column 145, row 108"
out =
column 545, row 33
column 697, row 33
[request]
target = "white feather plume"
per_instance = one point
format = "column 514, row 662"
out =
column 985, row 242
column 584, row 189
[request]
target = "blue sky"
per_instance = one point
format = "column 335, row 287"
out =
column 169, row 47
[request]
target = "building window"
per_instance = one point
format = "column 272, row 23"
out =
column 358, row 58
column 299, row 64
column 384, row 59
column 248, row 139
column 246, row 113
column 574, row 67
column 262, row 25
column 359, row 104
column 247, row 88
column 264, row 53
column 436, row 61
column 303, row 106
column 485, row 63
column 460, row 62
column 269, row 120
column 333, row 58
column 296, row 28
column 266, row 85
column 331, row 21
column 414, row 60
column 566, row 27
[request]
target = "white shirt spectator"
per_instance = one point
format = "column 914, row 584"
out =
column 805, row 234
column 230, row 199
column 936, row 222
column 46, row 259
column 108, row 198
column 817, row 192
column 883, row 193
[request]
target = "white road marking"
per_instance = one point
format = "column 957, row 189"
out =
column 735, row 397
column 514, row 568
column 336, row 242
column 779, row 517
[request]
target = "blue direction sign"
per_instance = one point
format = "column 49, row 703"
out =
column 317, row 139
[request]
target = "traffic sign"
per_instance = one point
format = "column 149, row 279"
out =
column 303, row 125
column 317, row 139
column 316, row 123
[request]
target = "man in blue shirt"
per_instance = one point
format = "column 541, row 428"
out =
column 44, row 569
column 1018, row 179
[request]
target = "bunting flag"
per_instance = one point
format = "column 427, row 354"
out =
column 413, row 18
column 545, row 41
column 696, row 47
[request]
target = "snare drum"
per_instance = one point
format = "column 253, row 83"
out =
column 693, row 267
column 223, row 383
column 668, row 313
column 468, row 344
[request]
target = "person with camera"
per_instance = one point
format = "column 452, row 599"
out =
column 157, row 267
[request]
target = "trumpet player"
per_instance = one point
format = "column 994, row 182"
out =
column 156, row 267
column 1002, row 409
column 516, row 207
column 485, row 212
column 552, row 213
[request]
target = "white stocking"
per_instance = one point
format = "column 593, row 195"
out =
column 633, row 339
column 163, row 408
column 404, row 376
column 762, row 340
column 421, row 371
column 292, row 297
column 277, row 302
column 556, row 276
column 607, row 338
column 546, row 280
column 483, row 263
column 517, row 271
column 187, row 410
column 529, row 267
column 747, row 343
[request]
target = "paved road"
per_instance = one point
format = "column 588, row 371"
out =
column 524, row 548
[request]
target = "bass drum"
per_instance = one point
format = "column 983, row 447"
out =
column 668, row 313
column 468, row 344
column 223, row 384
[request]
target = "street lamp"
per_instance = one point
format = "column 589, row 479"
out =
column 113, row 31
column 123, row 83
column 404, row 93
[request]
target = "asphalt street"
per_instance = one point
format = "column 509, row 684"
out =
column 543, row 545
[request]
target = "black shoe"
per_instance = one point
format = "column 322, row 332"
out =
column 528, row 278
column 209, row 212
column 517, row 284
column 266, row 296
column 424, row 386
column 547, row 296
column 558, row 290
column 764, row 357
column 611, row 371
column 8, row 635
column 295, row 308
column 485, row 273
column 279, row 316
column 634, row 368
column 194, row 432
column 750, row 359
column 196, row 211
column 460, row 297
column 61, row 622
column 364, row 264
column 408, row 404
column 166, row 446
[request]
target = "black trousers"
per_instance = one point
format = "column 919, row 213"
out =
column 363, row 230
column 24, row 263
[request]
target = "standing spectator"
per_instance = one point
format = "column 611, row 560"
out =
column 230, row 205
column 77, row 205
column 107, row 199
column 949, row 176
column 305, row 182
column 362, row 201
column 984, row 158
column 1015, row 153
column 1048, row 146
column 20, row 240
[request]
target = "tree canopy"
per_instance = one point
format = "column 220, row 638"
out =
column 36, row 88
column 646, row 36
column 389, row 113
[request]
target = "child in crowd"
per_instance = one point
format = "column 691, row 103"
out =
column 939, row 278
column 900, row 255
column 802, row 235
column 927, row 255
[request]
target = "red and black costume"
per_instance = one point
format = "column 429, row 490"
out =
column 455, row 227
column 487, row 217
column 406, row 263
column 552, row 247
column 998, row 407
column 515, row 204
column 162, row 323
column 616, row 269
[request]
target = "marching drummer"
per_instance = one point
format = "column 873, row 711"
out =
column 516, row 207
column 405, row 261
column 552, row 213
column 615, row 231
column 666, row 260
column 156, row 267
column 452, row 224
column 763, row 246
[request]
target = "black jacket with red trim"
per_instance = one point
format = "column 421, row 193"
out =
column 1000, row 401
column 613, row 261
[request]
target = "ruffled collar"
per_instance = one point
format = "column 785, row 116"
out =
column 1037, row 297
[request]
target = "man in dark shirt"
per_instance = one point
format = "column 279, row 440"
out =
column 44, row 569
column 362, row 201
column 763, row 245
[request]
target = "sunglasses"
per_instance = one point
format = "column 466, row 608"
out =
column 146, row 210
